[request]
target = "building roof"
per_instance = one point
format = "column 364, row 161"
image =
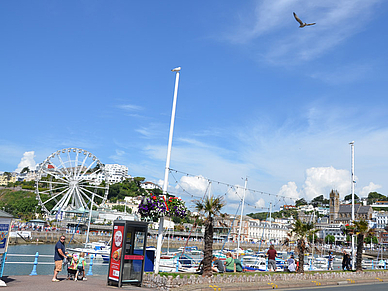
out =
column 358, row 208
column 4, row 214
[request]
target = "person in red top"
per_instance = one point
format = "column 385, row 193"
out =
column 271, row 253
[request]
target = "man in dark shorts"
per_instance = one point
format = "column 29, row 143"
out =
column 218, row 266
column 59, row 255
column 271, row 253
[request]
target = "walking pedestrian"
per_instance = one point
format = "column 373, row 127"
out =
column 344, row 260
column 330, row 262
column 347, row 262
column 271, row 253
column 59, row 255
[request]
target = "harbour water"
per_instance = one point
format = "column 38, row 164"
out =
column 20, row 261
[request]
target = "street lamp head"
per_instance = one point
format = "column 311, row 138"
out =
column 352, row 142
column 176, row 69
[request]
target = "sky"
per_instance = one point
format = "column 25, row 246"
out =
column 259, row 99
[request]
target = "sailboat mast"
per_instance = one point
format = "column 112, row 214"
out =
column 90, row 218
column 270, row 222
column 241, row 217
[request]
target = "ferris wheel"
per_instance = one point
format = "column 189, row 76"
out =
column 69, row 180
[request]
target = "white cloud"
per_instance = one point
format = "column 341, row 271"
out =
column 196, row 186
column 289, row 190
column 319, row 181
column 260, row 203
column 130, row 107
column 372, row 187
column 27, row 161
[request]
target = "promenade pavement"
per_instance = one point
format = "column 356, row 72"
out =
column 43, row 283
column 98, row 283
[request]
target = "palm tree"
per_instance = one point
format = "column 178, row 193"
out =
column 302, row 230
column 8, row 175
column 361, row 229
column 209, row 207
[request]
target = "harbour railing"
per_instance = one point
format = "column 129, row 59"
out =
column 36, row 261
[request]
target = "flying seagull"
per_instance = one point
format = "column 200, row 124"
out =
column 302, row 24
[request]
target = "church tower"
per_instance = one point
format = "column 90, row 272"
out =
column 334, row 205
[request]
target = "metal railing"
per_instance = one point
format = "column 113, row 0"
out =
column 36, row 262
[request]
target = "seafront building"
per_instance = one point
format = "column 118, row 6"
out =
column 114, row 173
column 150, row 186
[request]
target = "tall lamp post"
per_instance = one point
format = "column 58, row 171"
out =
column 353, row 182
column 166, row 170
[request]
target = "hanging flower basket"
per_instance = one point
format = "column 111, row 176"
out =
column 176, row 207
column 152, row 207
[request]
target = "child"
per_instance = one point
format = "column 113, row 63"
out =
column 72, row 266
column 81, row 267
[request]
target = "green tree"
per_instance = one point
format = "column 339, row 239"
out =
column 330, row 239
column 349, row 197
column 361, row 229
column 302, row 230
column 208, row 208
column 138, row 181
column 374, row 196
column 25, row 170
column 128, row 187
column 122, row 208
column 370, row 239
column 300, row 202
column 319, row 200
column 7, row 175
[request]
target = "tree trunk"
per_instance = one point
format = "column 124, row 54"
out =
column 360, row 247
column 208, row 249
column 301, row 248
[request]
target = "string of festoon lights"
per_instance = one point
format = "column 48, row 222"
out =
column 230, row 187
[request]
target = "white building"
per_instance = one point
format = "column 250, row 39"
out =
column 306, row 208
column 331, row 229
column 150, row 186
column 110, row 216
column 168, row 224
column 114, row 174
column 129, row 202
column 274, row 232
column 381, row 219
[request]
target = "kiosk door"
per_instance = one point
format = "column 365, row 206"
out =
column 134, row 255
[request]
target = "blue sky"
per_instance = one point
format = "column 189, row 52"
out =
column 258, row 96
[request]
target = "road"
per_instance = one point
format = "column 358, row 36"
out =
column 349, row 287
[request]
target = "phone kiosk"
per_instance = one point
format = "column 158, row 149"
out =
column 127, row 255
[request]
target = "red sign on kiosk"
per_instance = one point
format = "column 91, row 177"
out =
column 117, row 246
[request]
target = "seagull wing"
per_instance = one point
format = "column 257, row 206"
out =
column 297, row 18
column 308, row 24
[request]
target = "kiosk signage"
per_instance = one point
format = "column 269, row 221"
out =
column 4, row 234
column 128, row 250
column 117, row 246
